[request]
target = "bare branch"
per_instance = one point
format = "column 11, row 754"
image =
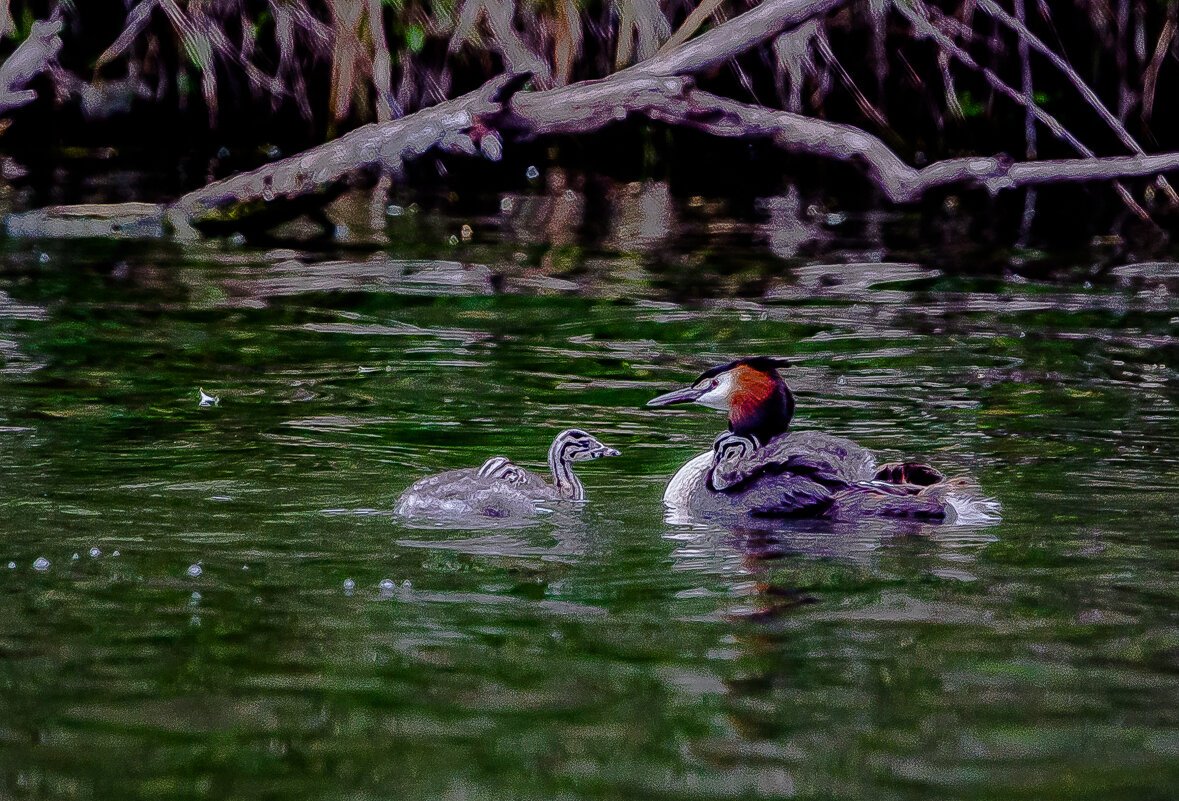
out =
column 900, row 182
column 32, row 57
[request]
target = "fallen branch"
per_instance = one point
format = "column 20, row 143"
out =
column 899, row 182
column 458, row 125
column 581, row 108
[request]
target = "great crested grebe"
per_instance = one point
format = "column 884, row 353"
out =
column 758, row 468
column 502, row 489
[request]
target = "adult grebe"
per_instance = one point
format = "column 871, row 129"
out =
column 758, row 468
column 502, row 489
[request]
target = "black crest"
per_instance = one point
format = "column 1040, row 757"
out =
column 763, row 364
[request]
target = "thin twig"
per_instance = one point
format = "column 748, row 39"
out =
column 699, row 14
column 1029, row 130
column 1151, row 78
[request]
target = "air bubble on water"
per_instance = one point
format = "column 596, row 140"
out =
column 395, row 211
column 505, row 205
column 41, row 564
column 195, row 597
column 75, row 558
column 195, row 621
column 1087, row 285
column 195, row 570
column 349, row 585
column 12, row 565
column 386, row 584
column 407, row 585
column 842, row 381
column 245, row 567
column 532, row 173
column 116, row 553
column 95, row 553
column 43, row 258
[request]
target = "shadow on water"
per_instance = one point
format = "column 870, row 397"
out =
column 245, row 617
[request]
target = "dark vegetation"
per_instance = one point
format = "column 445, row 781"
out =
column 224, row 86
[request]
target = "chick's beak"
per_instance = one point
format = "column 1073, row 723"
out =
column 685, row 395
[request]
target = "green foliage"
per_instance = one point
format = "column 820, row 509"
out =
column 415, row 38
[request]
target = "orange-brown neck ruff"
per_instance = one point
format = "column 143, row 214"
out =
column 760, row 405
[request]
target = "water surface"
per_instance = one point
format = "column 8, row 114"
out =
column 189, row 632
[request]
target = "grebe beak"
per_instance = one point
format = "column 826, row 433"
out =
column 598, row 453
column 685, row 395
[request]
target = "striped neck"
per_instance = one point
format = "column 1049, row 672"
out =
column 568, row 485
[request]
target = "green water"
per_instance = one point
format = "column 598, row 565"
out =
column 192, row 636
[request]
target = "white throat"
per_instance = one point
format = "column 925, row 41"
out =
column 718, row 396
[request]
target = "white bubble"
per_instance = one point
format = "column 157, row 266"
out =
column 386, row 584
column 245, row 567
column 95, row 553
column 12, row 565
column 41, row 564
column 196, row 596
column 75, row 558
column 532, row 173
column 43, row 258
column 407, row 585
column 195, row 570
column 349, row 584
column 116, row 553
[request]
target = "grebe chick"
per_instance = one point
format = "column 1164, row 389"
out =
column 760, row 469
column 500, row 489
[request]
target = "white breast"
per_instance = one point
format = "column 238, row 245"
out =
column 687, row 480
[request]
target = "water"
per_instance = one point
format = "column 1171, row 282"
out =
column 250, row 620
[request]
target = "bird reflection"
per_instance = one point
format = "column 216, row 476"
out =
column 773, row 569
